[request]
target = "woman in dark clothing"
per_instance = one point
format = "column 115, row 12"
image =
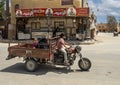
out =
column 55, row 32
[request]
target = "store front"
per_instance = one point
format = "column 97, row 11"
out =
column 3, row 30
column 42, row 22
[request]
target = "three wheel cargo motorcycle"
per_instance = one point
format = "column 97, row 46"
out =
column 47, row 55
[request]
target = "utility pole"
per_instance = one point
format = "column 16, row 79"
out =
column 119, row 25
column 7, row 9
column 7, row 18
column 82, row 22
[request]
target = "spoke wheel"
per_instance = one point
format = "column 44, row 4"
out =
column 84, row 64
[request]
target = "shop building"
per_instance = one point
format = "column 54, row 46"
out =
column 103, row 27
column 38, row 18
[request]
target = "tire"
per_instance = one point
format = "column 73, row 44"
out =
column 31, row 65
column 87, row 63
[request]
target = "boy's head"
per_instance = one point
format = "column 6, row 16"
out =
column 61, row 35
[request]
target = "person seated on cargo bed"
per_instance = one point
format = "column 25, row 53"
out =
column 43, row 43
column 35, row 43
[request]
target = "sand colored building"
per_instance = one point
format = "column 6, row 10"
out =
column 102, row 27
column 36, row 18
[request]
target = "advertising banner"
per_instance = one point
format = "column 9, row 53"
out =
column 71, row 11
column 24, row 12
column 39, row 11
column 82, row 11
column 55, row 12
column 59, row 12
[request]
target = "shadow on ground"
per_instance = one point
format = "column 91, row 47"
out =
column 42, row 69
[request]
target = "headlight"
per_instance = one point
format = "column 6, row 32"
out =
column 78, row 49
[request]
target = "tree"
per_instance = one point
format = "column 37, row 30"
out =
column 1, row 8
column 112, row 23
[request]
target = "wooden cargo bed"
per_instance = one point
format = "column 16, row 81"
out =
column 27, row 50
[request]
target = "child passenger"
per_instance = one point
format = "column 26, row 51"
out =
column 35, row 43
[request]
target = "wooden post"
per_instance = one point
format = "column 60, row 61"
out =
column 9, row 44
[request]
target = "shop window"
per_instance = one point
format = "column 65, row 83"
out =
column 51, row 0
column 59, row 25
column 67, row 2
column 35, row 25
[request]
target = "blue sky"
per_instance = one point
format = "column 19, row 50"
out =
column 103, row 8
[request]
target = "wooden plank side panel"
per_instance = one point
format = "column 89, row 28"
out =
column 29, row 52
column 17, row 51
column 40, row 53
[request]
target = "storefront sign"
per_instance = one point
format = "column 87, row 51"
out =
column 71, row 11
column 39, row 11
column 49, row 12
column 52, row 12
column 82, row 11
column 18, row 13
column 24, row 12
column 59, row 11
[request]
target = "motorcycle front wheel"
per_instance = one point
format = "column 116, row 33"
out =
column 84, row 64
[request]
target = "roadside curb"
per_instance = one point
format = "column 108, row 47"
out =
column 85, row 42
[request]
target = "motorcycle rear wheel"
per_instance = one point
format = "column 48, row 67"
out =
column 84, row 64
column 31, row 65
